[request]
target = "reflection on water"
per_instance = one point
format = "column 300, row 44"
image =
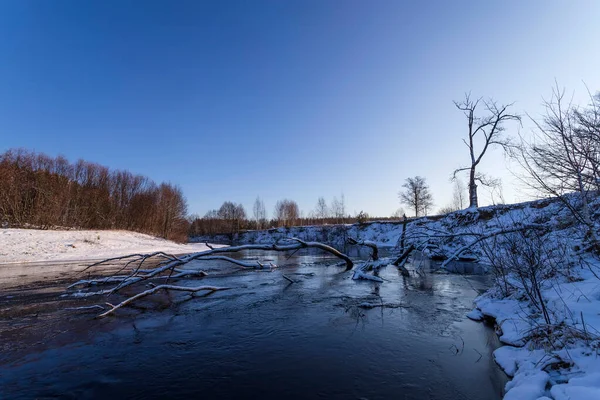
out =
column 324, row 336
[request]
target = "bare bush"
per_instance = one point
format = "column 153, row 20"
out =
column 564, row 156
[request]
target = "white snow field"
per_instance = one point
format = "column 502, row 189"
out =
column 32, row 245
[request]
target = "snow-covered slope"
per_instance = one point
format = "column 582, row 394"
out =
column 29, row 245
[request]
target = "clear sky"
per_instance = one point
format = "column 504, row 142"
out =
column 283, row 99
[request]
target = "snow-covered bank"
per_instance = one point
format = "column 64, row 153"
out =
column 31, row 245
column 560, row 361
column 384, row 234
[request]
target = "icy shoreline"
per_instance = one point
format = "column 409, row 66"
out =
column 569, row 370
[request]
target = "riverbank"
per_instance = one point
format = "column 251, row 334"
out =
column 34, row 245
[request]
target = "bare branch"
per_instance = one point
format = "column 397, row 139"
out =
column 156, row 289
column 367, row 243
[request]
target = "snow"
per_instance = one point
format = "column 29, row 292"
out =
column 584, row 388
column 32, row 245
column 475, row 315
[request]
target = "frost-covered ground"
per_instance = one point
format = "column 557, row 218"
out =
column 560, row 360
column 31, row 245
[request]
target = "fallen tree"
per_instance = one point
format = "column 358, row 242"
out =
column 168, row 267
column 366, row 243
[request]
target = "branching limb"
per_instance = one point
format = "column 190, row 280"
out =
column 367, row 243
column 482, row 237
column 241, row 263
column 155, row 289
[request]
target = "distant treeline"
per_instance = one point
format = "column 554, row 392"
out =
column 232, row 218
column 39, row 191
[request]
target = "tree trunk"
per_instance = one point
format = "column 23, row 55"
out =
column 472, row 190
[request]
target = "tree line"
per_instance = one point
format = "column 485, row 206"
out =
column 40, row 191
column 232, row 217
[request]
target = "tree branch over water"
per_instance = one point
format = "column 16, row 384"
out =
column 169, row 267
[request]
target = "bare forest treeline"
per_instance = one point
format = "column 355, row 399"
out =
column 44, row 192
column 231, row 218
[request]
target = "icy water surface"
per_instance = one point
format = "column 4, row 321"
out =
column 324, row 336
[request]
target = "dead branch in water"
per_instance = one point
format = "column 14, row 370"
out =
column 402, row 259
column 367, row 243
column 169, row 267
column 173, row 264
column 155, row 289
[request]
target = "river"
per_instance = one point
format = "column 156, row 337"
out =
column 324, row 336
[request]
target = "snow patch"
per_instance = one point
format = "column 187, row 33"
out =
column 32, row 245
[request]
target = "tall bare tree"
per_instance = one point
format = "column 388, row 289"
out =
column 260, row 214
column 416, row 195
column 484, row 131
column 321, row 209
column 338, row 208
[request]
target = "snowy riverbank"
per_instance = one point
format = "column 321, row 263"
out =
column 32, row 245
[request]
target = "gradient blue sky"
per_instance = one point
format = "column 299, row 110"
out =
column 283, row 99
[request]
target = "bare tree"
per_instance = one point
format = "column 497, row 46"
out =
column 485, row 131
column 338, row 208
column 459, row 195
column 416, row 195
column 398, row 214
column 321, row 209
column 287, row 212
column 233, row 214
column 260, row 214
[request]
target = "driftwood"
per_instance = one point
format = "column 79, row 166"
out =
column 402, row 259
column 170, row 267
column 155, row 289
column 404, row 255
column 367, row 243
column 171, row 264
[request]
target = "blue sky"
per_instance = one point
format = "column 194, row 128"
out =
column 283, row 99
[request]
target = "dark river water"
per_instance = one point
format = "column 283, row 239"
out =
column 324, row 336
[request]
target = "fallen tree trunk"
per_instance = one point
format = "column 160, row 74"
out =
column 173, row 263
column 169, row 267
column 404, row 255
